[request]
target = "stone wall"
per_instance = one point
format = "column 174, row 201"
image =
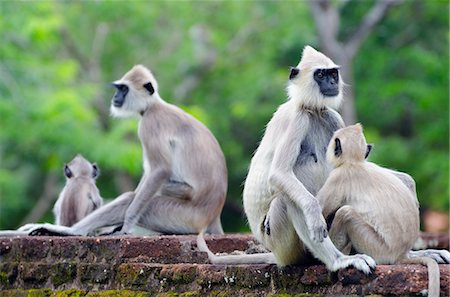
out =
column 172, row 266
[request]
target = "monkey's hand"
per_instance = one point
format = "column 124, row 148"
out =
column 317, row 227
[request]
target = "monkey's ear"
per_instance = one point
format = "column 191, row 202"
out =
column 95, row 171
column 337, row 147
column 294, row 72
column 149, row 87
column 67, row 171
column 369, row 149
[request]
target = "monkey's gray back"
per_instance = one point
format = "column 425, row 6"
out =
column 79, row 198
column 199, row 160
column 311, row 167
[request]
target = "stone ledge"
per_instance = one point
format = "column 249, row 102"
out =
column 170, row 266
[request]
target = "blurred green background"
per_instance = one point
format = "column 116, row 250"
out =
column 226, row 63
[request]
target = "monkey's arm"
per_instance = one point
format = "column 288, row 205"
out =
column 151, row 182
column 282, row 177
column 329, row 197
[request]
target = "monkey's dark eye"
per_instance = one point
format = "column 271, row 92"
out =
column 95, row 171
column 121, row 87
column 67, row 171
column 334, row 74
column 320, row 74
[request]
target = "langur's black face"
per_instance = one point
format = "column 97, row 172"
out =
column 328, row 81
column 119, row 96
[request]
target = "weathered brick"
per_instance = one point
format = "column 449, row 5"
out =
column 172, row 266
column 34, row 275
column 63, row 273
column 95, row 273
column 8, row 275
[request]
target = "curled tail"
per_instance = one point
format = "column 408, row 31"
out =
column 261, row 258
column 433, row 273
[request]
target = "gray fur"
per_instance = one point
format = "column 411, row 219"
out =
column 287, row 170
column 80, row 195
column 184, row 184
column 357, row 192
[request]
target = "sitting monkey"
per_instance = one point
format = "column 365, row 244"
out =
column 374, row 211
column 80, row 195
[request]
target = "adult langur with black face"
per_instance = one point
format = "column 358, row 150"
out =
column 184, row 185
column 289, row 168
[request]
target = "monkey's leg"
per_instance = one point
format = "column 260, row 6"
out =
column 183, row 190
column 285, row 226
column 169, row 215
column 109, row 214
column 278, row 234
column 349, row 229
column 215, row 227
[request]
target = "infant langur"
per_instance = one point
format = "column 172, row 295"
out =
column 374, row 212
column 80, row 195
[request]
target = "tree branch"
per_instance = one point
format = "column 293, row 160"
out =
column 45, row 201
column 327, row 21
column 372, row 18
column 206, row 57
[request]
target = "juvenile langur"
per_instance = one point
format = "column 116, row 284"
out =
column 289, row 168
column 184, row 184
column 80, row 195
column 374, row 212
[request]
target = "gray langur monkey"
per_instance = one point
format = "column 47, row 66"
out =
column 80, row 195
column 184, row 184
column 288, row 170
column 372, row 211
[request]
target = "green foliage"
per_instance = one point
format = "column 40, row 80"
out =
column 58, row 57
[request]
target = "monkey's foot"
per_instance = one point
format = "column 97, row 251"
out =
column 47, row 229
column 440, row 256
column 361, row 262
column 45, row 232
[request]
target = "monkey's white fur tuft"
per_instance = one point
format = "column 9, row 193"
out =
column 304, row 90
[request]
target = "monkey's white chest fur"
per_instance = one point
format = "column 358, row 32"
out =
column 309, row 162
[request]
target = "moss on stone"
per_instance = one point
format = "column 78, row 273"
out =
column 176, row 294
column 63, row 273
column 13, row 293
column 216, row 293
column 119, row 293
column 39, row 293
column 69, row 293
column 3, row 278
column 34, row 275
column 8, row 274
column 181, row 275
column 133, row 275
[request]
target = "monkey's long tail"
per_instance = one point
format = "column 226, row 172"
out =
column 433, row 273
column 261, row 258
